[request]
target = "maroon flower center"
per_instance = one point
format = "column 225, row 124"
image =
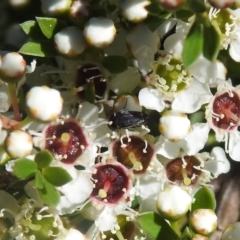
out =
column 65, row 141
column 187, row 175
column 111, row 182
column 136, row 154
column 226, row 111
column 90, row 73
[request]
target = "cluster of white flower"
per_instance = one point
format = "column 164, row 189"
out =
column 116, row 112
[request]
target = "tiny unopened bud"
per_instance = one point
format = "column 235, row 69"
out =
column 55, row 8
column 12, row 67
column 173, row 202
column 19, row 144
column 44, row 103
column 70, row 41
column 134, row 10
column 174, row 125
column 79, row 10
column 203, row 221
column 100, row 32
column 171, row 4
column 221, row 3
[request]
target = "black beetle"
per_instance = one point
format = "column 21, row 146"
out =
column 127, row 119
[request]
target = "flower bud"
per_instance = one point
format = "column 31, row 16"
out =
column 134, row 10
column 100, row 32
column 171, row 4
column 19, row 144
column 221, row 3
column 55, row 8
column 174, row 125
column 44, row 103
column 173, row 202
column 203, row 221
column 12, row 67
column 70, row 41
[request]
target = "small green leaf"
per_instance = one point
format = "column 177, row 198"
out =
column 43, row 158
column 204, row 198
column 115, row 64
column 56, row 176
column 211, row 44
column 39, row 49
column 50, row 26
column 193, row 44
column 38, row 181
column 90, row 92
column 24, row 168
column 49, row 194
column 156, row 227
column 32, row 29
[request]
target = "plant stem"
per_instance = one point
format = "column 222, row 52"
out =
column 175, row 227
column 23, row 123
column 13, row 96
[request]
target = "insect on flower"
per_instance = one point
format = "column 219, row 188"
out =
column 127, row 119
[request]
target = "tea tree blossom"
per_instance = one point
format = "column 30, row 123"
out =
column 222, row 114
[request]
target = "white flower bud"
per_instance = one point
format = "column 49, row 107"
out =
column 221, row 3
column 172, row 4
column 134, row 10
column 70, row 41
column 232, row 232
column 174, row 125
column 55, row 7
column 173, row 202
column 44, row 103
column 100, row 32
column 12, row 67
column 19, row 144
column 79, row 9
column 203, row 221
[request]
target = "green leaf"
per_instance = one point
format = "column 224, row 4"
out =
column 39, row 49
column 38, row 182
column 24, row 168
column 32, row 29
column 50, row 26
column 49, row 194
column 193, row 44
column 115, row 64
column 204, row 198
column 43, row 158
column 211, row 44
column 156, row 227
column 56, row 176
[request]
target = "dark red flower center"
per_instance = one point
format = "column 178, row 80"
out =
column 65, row 141
column 90, row 73
column 226, row 111
column 187, row 175
column 136, row 154
column 111, row 182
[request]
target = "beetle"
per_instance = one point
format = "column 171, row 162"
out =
column 127, row 119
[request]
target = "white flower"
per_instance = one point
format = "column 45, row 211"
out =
column 222, row 114
column 143, row 44
column 188, row 145
column 76, row 192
